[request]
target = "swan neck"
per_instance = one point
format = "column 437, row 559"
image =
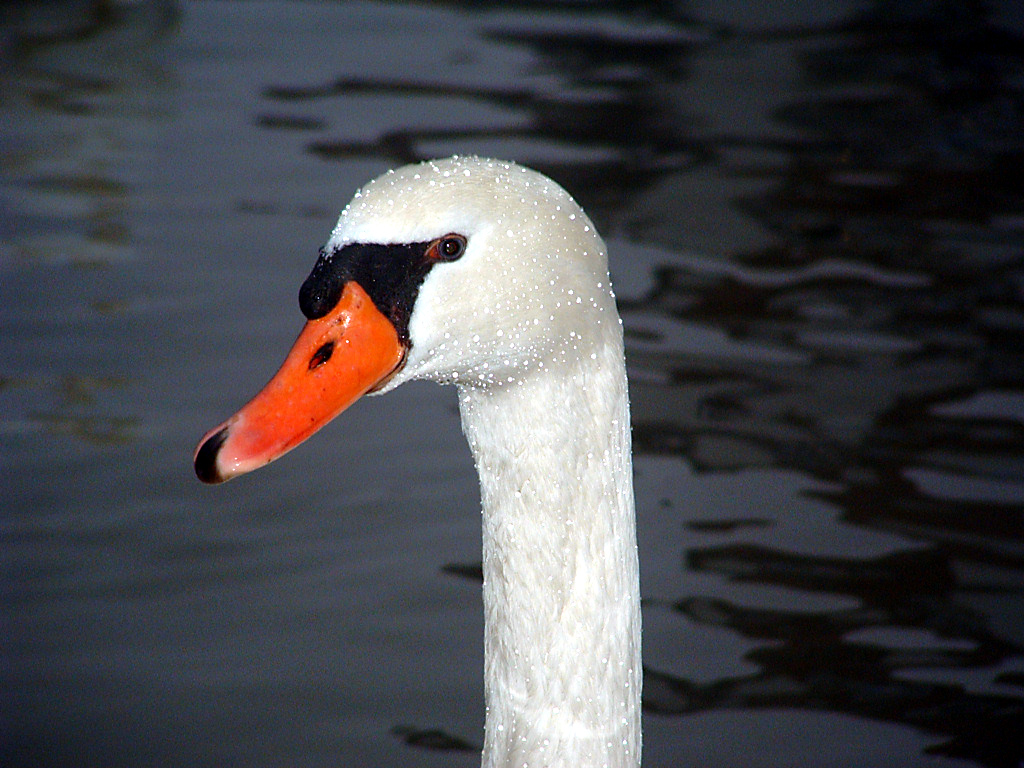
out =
column 561, row 584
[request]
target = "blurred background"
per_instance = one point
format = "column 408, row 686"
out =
column 815, row 213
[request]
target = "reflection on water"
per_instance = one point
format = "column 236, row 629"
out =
column 818, row 241
column 835, row 661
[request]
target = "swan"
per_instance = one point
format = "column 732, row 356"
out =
column 487, row 275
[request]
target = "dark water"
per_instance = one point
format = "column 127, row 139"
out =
column 816, row 217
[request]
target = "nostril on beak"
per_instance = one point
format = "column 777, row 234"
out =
column 322, row 355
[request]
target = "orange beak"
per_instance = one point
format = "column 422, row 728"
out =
column 336, row 359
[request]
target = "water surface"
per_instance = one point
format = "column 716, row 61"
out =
column 816, row 224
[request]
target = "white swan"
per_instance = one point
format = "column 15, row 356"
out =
column 488, row 275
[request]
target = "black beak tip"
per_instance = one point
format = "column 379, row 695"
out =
column 206, row 457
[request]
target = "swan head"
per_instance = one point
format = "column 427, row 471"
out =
column 470, row 271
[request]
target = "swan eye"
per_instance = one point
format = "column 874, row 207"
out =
column 448, row 248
